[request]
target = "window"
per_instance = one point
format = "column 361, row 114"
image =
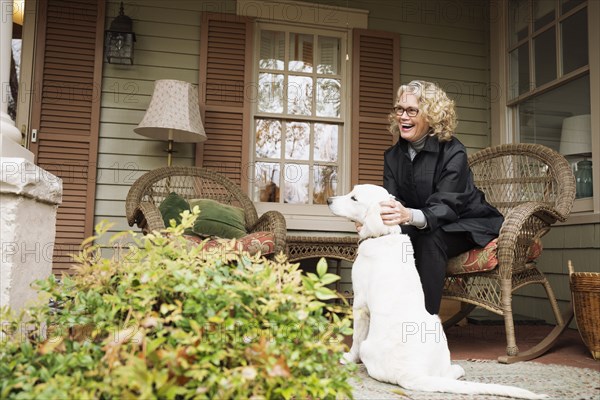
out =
column 549, row 80
column 281, row 71
column 298, row 117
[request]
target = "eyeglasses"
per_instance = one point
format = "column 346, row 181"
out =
column 410, row 111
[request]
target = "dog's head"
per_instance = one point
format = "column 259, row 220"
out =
column 362, row 205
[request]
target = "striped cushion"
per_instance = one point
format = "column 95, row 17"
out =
column 485, row 259
column 252, row 243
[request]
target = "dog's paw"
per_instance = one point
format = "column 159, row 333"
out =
column 349, row 358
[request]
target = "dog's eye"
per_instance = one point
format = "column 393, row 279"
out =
column 353, row 198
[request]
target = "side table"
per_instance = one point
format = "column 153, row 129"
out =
column 336, row 247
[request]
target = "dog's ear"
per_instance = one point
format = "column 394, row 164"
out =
column 373, row 225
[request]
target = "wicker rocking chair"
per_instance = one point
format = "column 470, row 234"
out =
column 533, row 187
column 148, row 191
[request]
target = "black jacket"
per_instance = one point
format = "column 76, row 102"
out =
column 439, row 182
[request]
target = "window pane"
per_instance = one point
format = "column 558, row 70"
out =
column 268, row 138
column 272, row 50
column 297, row 115
column 301, row 52
column 329, row 55
column 267, row 182
column 541, row 118
column 568, row 5
column 297, row 141
column 519, row 71
column 270, row 93
column 328, row 97
column 299, row 95
column 518, row 20
column 326, row 142
column 545, row 57
column 543, row 12
column 325, row 183
column 575, row 41
column 295, row 184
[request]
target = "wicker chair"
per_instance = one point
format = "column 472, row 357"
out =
column 150, row 190
column 533, row 187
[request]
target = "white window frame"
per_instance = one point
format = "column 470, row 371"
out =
column 301, row 17
column 505, row 124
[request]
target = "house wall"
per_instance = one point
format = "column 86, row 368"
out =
column 578, row 243
column 445, row 42
column 167, row 47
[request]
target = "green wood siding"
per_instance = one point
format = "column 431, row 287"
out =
column 451, row 49
column 442, row 41
column 578, row 243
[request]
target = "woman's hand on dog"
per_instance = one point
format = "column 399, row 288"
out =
column 394, row 213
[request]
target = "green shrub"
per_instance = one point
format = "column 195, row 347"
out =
column 165, row 320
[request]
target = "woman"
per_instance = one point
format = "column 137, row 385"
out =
column 427, row 171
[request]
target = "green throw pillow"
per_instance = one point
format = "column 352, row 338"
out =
column 171, row 207
column 218, row 219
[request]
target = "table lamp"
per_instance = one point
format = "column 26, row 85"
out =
column 173, row 115
column 576, row 140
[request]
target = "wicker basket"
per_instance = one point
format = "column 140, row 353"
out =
column 585, row 289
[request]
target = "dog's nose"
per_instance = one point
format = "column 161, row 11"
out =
column 329, row 200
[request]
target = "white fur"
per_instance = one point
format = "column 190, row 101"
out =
column 394, row 336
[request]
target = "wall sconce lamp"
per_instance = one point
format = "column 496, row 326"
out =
column 119, row 40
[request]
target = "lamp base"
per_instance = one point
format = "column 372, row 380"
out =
column 583, row 179
column 169, row 150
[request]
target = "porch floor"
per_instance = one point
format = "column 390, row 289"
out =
column 487, row 342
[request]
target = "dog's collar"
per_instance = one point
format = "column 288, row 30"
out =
column 375, row 237
column 361, row 241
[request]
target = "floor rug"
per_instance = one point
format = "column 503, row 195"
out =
column 557, row 381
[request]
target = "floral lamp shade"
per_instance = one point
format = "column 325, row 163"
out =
column 173, row 114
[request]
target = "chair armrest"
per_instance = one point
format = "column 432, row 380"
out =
column 522, row 225
column 273, row 221
column 147, row 217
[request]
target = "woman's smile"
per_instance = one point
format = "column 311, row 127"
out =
column 411, row 128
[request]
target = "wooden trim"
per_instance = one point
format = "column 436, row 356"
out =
column 202, row 67
column 594, row 64
column 38, row 69
column 26, row 97
column 500, row 133
column 304, row 13
column 248, row 125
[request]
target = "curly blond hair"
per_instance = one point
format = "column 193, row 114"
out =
column 437, row 107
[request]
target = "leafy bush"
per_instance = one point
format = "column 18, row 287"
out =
column 165, row 320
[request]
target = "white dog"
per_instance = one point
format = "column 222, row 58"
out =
column 394, row 336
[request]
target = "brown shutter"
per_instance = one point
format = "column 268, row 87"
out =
column 66, row 109
column 226, row 94
column 375, row 78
